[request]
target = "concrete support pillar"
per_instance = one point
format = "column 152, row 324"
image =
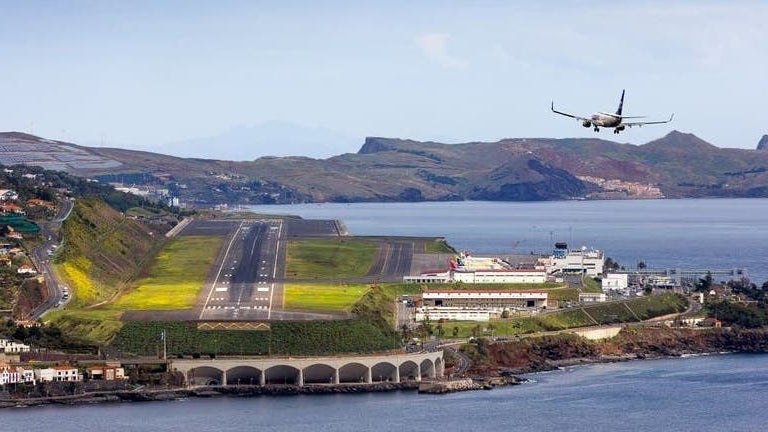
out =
column 262, row 378
column 368, row 375
column 418, row 373
column 396, row 375
column 300, row 378
column 223, row 378
column 336, row 376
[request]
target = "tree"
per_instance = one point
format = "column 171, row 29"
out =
column 455, row 332
column 641, row 265
column 476, row 330
column 610, row 264
column 704, row 284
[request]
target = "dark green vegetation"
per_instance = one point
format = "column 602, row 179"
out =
column 384, row 169
column 740, row 303
column 19, row 223
column 285, row 338
column 43, row 336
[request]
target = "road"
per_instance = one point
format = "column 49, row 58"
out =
column 41, row 260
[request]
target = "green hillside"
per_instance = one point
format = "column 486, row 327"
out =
column 103, row 250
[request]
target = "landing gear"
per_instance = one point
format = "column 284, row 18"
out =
column 597, row 129
column 616, row 131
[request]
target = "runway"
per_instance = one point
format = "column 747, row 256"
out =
column 245, row 285
column 246, row 281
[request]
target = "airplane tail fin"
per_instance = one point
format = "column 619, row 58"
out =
column 621, row 104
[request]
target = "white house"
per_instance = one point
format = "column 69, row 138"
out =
column 8, row 195
column 11, row 347
column 15, row 374
column 585, row 297
column 615, row 281
column 26, row 269
column 58, row 373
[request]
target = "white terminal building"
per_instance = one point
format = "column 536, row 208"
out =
column 582, row 261
column 477, row 305
column 475, row 270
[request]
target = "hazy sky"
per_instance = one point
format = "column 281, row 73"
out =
column 138, row 74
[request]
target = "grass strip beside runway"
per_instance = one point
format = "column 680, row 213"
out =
column 176, row 277
column 344, row 258
column 317, row 297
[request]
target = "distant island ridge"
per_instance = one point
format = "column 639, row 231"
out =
column 678, row 165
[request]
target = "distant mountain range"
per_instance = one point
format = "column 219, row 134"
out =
column 273, row 138
column 677, row 165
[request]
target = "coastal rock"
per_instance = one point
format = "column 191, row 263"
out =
column 440, row 387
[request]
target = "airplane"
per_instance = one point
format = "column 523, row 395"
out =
column 608, row 120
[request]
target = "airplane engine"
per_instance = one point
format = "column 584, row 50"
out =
column 620, row 128
column 587, row 123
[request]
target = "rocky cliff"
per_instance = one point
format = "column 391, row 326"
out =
column 549, row 352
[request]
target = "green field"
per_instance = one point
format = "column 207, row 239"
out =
column 318, row 297
column 322, row 259
column 176, row 277
column 439, row 246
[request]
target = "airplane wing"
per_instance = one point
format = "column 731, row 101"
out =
column 568, row 115
column 630, row 124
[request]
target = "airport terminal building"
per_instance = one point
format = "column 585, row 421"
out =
column 478, row 305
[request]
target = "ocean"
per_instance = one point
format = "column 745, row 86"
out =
column 706, row 393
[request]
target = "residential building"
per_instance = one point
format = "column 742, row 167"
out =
column 26, row 269
column 8, row 195
column 586, row 297
column 58, row 373
column 615, row 281
column 8, row 346
column 106, row 373
column 15, row 374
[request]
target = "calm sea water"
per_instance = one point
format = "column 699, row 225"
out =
column 665, row 234
column 711, row 393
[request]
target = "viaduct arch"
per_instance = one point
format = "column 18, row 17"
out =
column 311, row 370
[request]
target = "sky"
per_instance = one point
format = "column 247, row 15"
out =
column 183, row 75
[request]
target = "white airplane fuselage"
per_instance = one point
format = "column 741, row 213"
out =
column 605, row 120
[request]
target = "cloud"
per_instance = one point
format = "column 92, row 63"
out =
column 434, row 46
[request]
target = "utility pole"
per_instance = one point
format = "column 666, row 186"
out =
column 165, row 346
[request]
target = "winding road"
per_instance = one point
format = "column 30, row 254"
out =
column 42, row 263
